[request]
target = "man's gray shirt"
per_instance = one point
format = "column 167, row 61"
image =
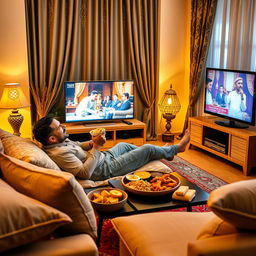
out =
column 75, row 157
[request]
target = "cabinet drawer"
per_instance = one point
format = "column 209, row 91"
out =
column 196, row 132
column 238, row 148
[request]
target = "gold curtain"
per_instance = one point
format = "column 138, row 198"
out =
column 143, row 36
column 202, row 19
column 49, row 36
column 93, row 40
column 73, row 40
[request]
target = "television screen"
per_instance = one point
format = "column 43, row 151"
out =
column 98, row 100
column 230, row 94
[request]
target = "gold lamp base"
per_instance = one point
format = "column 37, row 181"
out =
column 15, row 119
column 168, row 136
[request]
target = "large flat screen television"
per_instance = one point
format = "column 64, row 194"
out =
column 98, row 101
column 230, row 94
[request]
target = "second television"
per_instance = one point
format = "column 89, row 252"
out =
column 231, row 94
column 95, row 101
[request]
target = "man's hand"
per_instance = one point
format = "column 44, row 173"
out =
column 98, row 141
column 241, row 91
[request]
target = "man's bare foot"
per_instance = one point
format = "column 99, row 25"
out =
column 167, row 144
column 184, row 141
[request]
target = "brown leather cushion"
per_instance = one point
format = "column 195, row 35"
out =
column 24, row 220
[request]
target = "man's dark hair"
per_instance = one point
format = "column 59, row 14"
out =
column 208, row 80
column 42, row 129
column 126, row 94
column 93, row 92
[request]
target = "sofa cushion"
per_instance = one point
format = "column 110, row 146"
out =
column 76, row 245
column 24, row 220
column 57, row 189
column 26, row 150
column 235, row 203
column 161, row 233
column 216, row 227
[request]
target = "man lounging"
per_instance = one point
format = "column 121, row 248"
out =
column 86, row 161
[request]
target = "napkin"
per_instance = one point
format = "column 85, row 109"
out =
column 188, row 196
column 182, row 190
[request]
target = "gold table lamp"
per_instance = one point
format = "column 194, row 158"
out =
column 14, row 98
column 169, row 105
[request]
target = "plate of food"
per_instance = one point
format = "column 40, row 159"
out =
column 107, row 199
column 150, row 183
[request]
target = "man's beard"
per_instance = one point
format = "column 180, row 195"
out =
column 65, row 136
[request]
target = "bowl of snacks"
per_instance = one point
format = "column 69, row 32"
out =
column 107, row 199
column 151, row 183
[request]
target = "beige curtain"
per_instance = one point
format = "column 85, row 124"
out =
column 202, row 19
column 234, row 37
column 143, row 35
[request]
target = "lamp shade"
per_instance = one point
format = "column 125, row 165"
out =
column 170, row 102
column 13, row 97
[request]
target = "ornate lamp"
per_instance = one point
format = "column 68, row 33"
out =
column 169, row 106
column 14, row 98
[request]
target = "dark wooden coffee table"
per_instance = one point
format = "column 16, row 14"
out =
column 142, row 204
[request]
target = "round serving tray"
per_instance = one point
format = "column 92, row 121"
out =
column 151, row 193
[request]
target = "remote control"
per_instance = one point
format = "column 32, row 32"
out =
column 127, row 122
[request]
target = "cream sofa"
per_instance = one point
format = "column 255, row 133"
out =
column 44, row 211
column 229, row 230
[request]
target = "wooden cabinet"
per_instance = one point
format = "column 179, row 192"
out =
column 115, row 132
column 234, row 144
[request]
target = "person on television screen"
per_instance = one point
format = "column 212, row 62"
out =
column 208, row 95
column 85, row 160
column 221, row 97
column 107, row 102
column 87, row 106
column 126, row 103
column 115, row 102
column 236, row 100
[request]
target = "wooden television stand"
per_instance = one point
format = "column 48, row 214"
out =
column 116, row 132
column 234, row 144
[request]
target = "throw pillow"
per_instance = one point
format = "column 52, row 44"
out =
column 235, row 203
column 26, row 150
column 216, row 227
column 24, row 220
column 57, row 189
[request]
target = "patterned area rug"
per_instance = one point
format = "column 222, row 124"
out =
column 109, row 240
column 194, row 174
